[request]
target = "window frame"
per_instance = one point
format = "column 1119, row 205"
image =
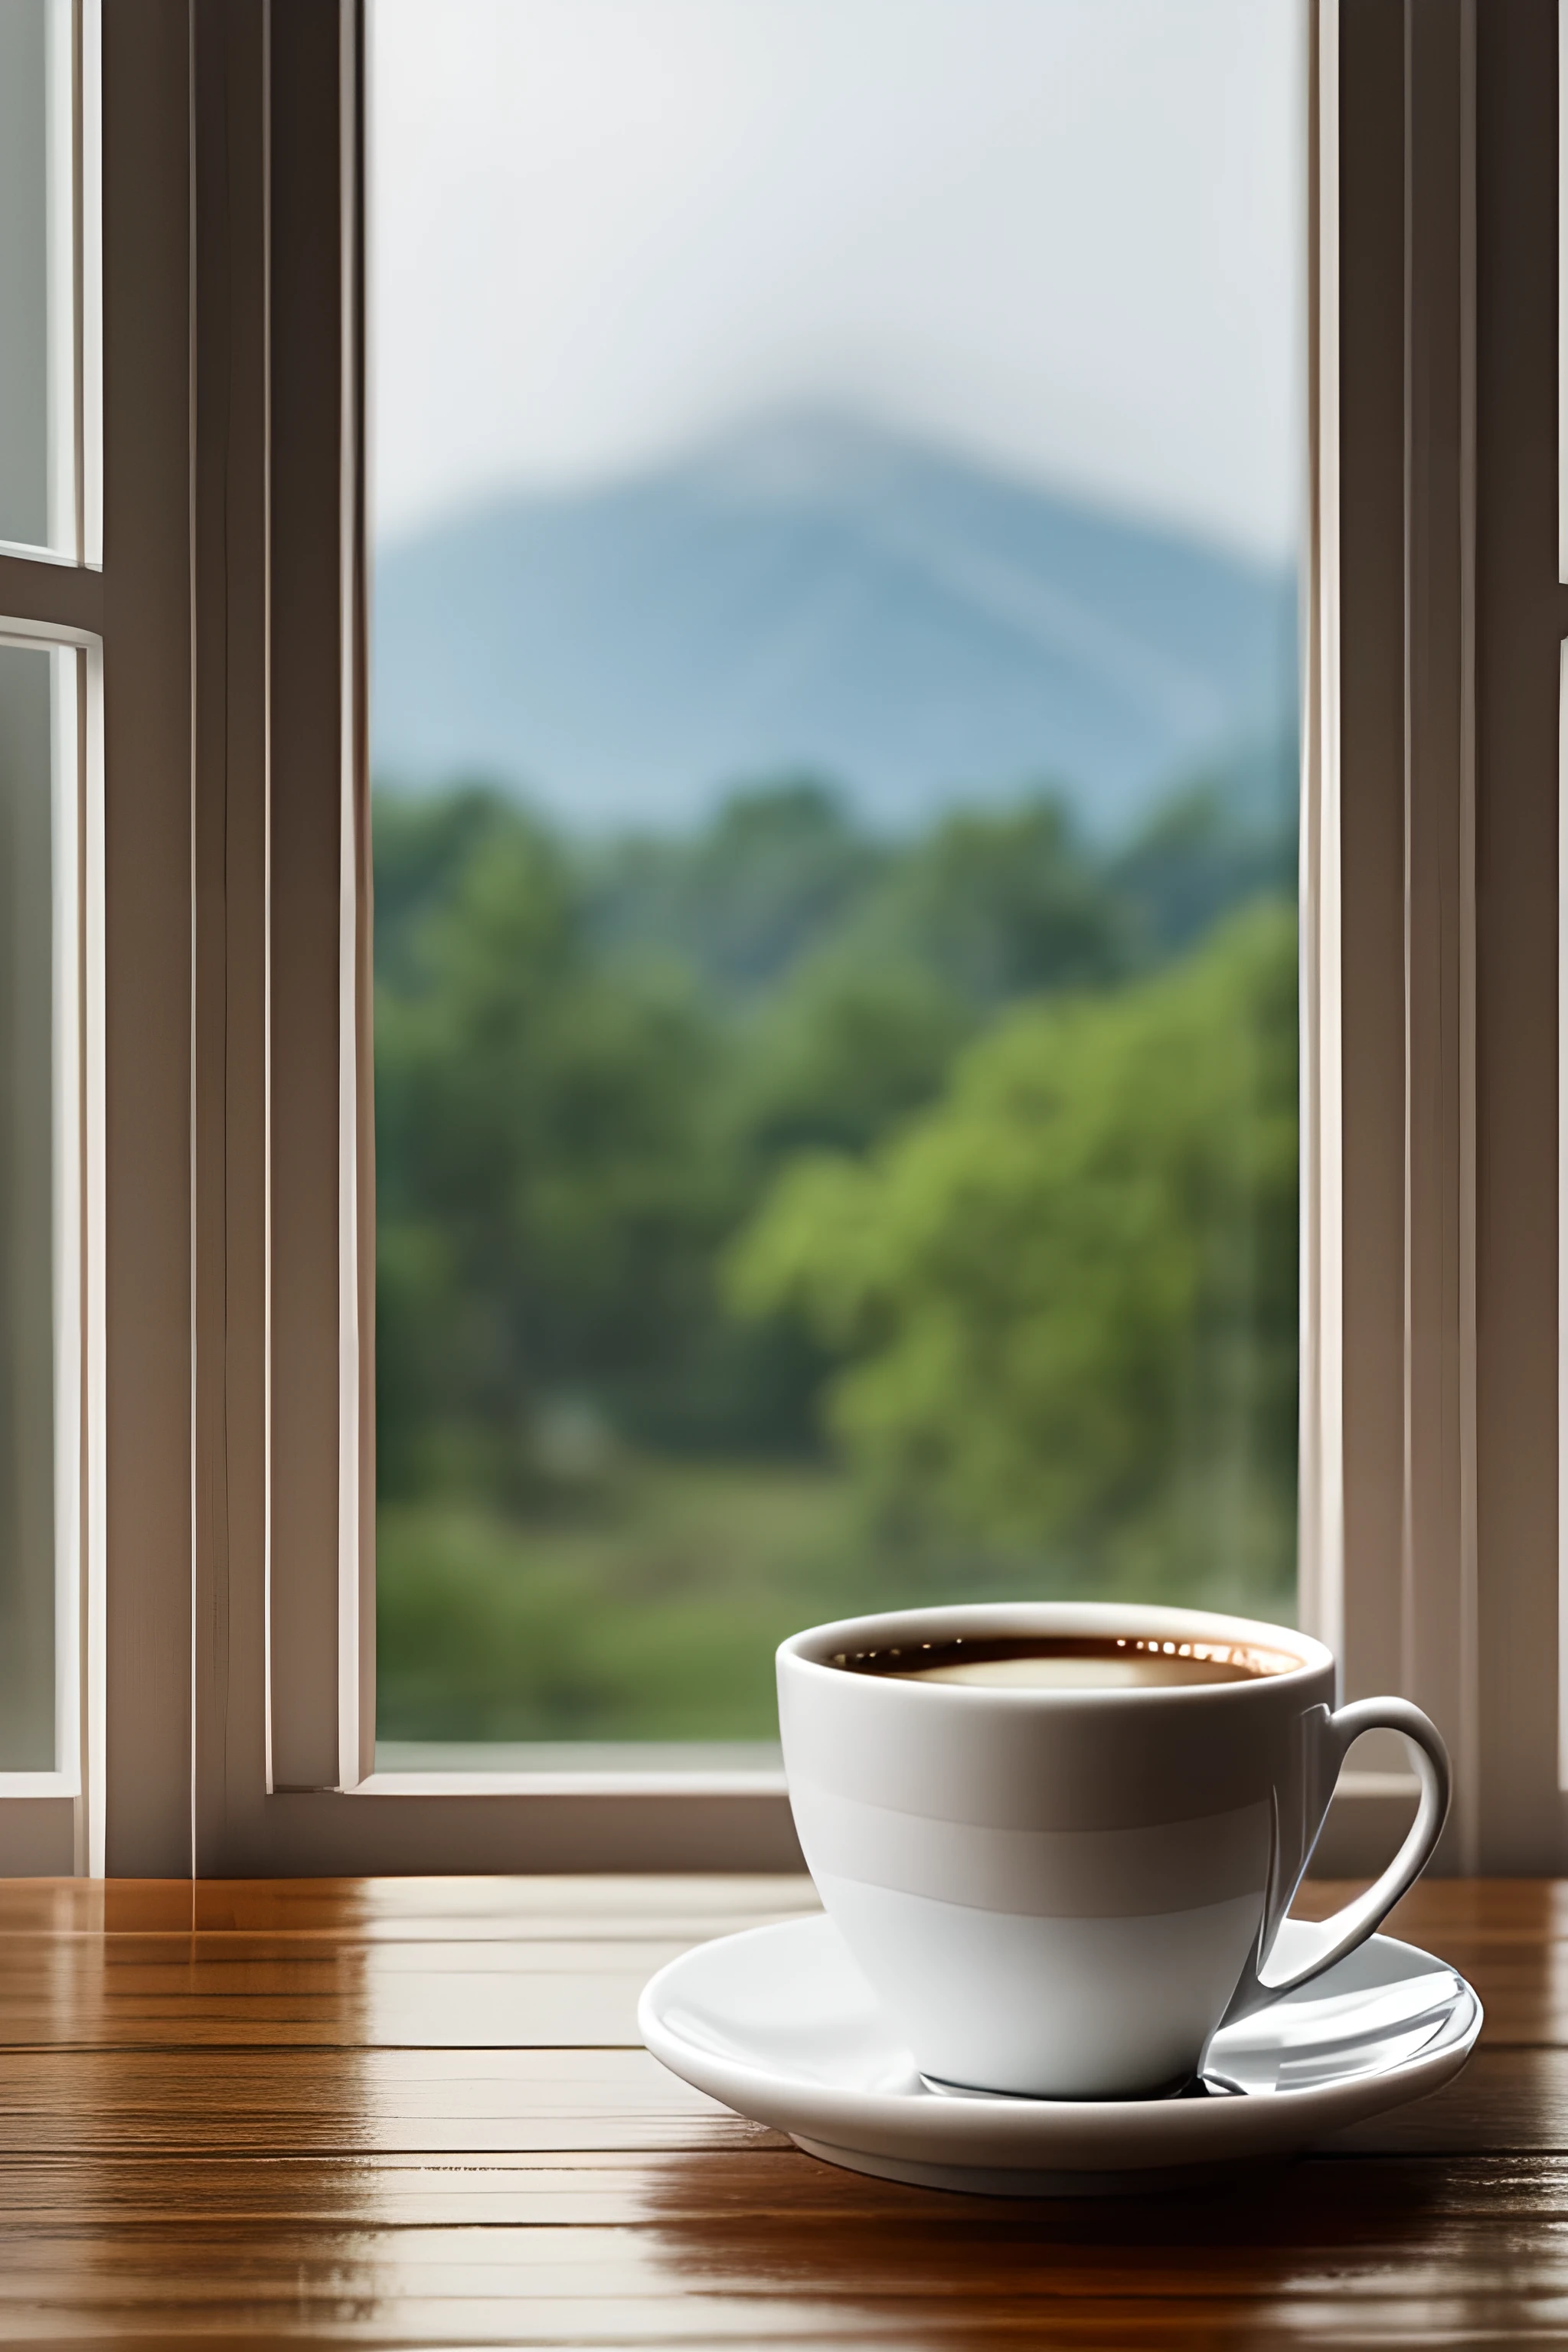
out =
column 50, row 600
column 233, row 1718
column 1430, row 1551
column 45, row 1814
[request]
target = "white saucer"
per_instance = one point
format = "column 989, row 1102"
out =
column 779, row 2024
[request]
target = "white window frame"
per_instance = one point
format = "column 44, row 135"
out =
column 51, row 600
column 231, row 1726
column 45, row 1816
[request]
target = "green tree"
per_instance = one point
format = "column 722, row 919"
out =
column 843, row 1050
column 547, row 1210
column 424, row 846
column 1001, row 903
column 1065, row 1299
column 774, row 876
column 1192, row 860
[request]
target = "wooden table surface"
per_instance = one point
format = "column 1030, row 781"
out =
column 415, row 2112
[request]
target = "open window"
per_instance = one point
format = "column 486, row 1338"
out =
column 677, row 1176
column 834, row 488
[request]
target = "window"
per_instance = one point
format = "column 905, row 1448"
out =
column 836, row 473
column 48, row 79
column 214, row 1627
column 50, row 1035
column 43, row 715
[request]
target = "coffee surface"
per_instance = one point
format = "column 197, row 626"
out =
column 1071, row 1662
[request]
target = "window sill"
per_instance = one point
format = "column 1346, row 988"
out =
column 613, row 1783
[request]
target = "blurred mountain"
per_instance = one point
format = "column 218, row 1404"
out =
column 816, row 596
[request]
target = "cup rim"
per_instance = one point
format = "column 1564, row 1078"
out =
column 802, row 1652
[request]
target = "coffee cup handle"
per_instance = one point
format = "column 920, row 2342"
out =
column 1340, row 1934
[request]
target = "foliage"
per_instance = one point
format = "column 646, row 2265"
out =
column 772, row 878
column 1190, row 862
column 842, row 1052
column 654, row 1613
column 1002, row 903
column 647, row 1609
column 711, row 1164
column 545, row 1204
column 1068, row 1295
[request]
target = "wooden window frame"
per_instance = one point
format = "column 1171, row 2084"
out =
column 230, row 1713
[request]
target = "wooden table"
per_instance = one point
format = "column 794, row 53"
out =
column 415, row 2112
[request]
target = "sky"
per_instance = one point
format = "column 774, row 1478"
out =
column 1063, row 236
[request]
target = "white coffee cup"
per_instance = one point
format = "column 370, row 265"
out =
column 1064, row 1892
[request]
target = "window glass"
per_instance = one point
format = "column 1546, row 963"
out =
column 37, row 1237
column 37, row 275
column 833, row 738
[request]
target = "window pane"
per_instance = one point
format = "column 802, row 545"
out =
column 834, row 747
column 37, row 300
column 37, row 735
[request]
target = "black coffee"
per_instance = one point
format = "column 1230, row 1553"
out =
column 1070, row 1661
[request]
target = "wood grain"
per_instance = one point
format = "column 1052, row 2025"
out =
column 416, row 2112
